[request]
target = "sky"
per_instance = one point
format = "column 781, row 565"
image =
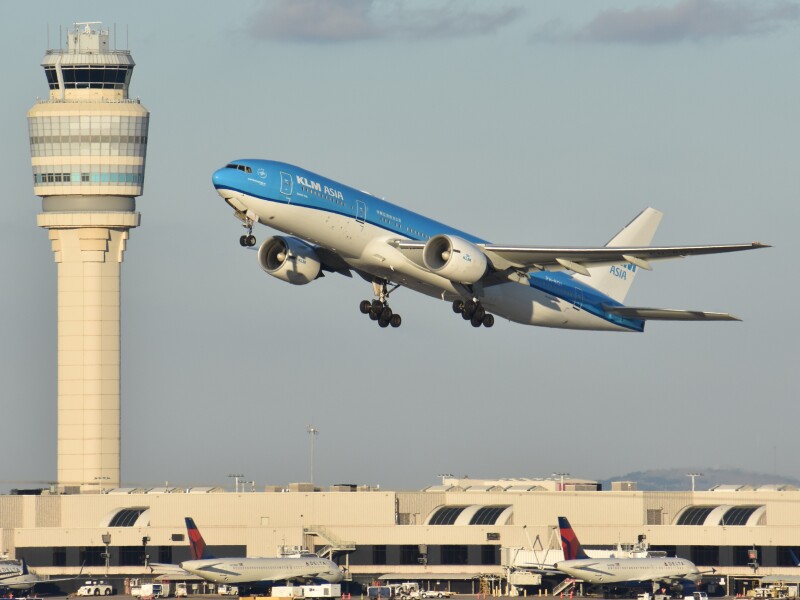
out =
column 519, row 121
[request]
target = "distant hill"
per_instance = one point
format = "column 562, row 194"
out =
column 675, row 480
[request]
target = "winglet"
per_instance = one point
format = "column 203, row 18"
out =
column 569, row 541
column 196, row 543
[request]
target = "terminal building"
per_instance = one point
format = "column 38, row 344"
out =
column 462, row 535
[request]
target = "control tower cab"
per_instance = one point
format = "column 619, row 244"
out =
column 88, row 140
column 88, row 147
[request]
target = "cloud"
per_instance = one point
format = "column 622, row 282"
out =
column 692, row 20
column 329, row 21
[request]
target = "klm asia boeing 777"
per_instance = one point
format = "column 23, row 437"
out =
column 330, row 227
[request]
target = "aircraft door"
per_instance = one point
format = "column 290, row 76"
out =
column 286, row 184
column 361, row 211
column 578, row 299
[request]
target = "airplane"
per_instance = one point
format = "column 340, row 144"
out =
column 254, row 571
column 602, row 571
column 330, row 227
column 15, row 575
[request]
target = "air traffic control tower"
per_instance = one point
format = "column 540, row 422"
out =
column 88, row 146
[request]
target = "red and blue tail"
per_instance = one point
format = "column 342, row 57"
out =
column 196, row 542
column 569, row 541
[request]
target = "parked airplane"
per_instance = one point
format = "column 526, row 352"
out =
column 253, row 571
column 603, row 571
column 335, row 228
column 15, row 575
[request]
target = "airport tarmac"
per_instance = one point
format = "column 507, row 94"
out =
column 353, row 597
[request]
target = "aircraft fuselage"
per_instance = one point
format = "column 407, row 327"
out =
column 359, row 227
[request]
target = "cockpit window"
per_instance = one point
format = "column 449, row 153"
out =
column 239, row 167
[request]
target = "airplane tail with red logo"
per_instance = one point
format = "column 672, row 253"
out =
column 569, row 541
column 196, row 542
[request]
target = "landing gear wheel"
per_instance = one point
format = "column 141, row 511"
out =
column 475, row 321
column 251, row 240
column 488, row 320
column 383, row 322
column 243, row 241
column 469, row 309
column 395, row 321
column 365, row 306
column 377, row 306
column 479, row 313
column 386, row 314
column 458, row 306
column 374, row 315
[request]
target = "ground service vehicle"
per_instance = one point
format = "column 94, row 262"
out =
column 228, row 590
column 95, row 588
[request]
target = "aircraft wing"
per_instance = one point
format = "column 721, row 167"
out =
column 668, row 314
column 576, row 258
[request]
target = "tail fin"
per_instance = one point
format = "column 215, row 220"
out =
column 795, row 562
column 616, row 280
column 569, row 541
column 25, row 567
column 196, row 543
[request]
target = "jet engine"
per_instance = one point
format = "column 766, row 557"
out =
column 289, row 259
column 454, row 258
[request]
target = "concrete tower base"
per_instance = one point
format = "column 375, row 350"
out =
column 88, row 248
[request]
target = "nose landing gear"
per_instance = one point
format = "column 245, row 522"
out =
column 474, row 312
column 248, row 240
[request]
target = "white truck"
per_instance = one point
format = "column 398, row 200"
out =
column 400, row 591
column 154, row 590
column 327, row 590
column 95, row 588
column 228, row 590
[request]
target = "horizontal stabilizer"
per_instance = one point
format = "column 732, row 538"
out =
column 667, row 314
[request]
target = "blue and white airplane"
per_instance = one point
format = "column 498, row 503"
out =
column 332, row 227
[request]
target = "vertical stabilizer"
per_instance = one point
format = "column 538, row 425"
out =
column 196, row 543
column 616, row 280
column 569, row 541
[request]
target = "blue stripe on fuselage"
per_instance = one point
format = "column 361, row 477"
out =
column 564, row 286
column 313, row 191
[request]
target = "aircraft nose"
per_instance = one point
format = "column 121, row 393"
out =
column 219, row 177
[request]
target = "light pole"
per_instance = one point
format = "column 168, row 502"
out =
column 312, row 432
column 107, row 541
column 236, row 477
column 694, row 476
column 145, row 539
column 444, row 475
column 99, row 479
column 561, row 475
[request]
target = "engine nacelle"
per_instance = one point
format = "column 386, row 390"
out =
column 289, row 259
column 454, row 258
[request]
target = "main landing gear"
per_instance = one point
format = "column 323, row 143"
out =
column 473, row 311
column 249, row 240
column 378, row 309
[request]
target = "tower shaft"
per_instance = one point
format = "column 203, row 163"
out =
column 88, row 249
